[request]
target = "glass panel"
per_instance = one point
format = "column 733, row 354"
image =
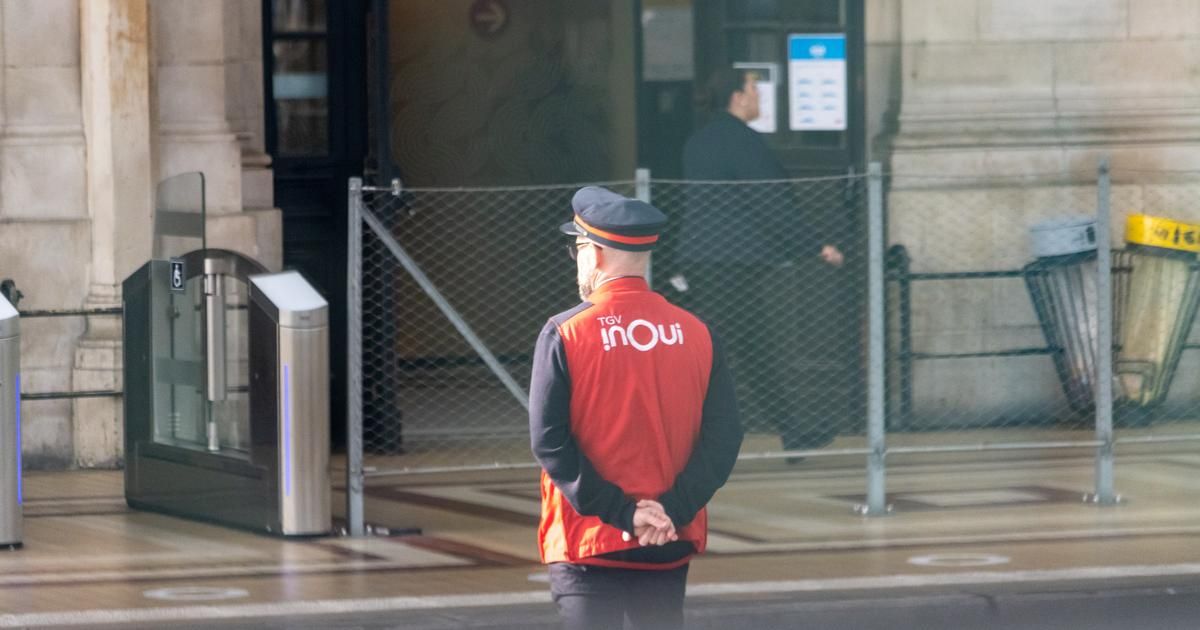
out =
column 822, row 139
column 290, row 16
column 813, row 11
column 753, row 9
column 761, row 46
column 232, row 415
column 180, row 406
column 179, row 216
column 770, row 46
column 301, row 90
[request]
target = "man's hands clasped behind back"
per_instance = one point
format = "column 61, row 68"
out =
column 651, row 524
column 832, row 256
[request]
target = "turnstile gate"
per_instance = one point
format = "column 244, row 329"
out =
column 226, row 394
column 10, row 426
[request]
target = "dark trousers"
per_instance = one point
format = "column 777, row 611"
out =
column 603, row 598
column 781, row 328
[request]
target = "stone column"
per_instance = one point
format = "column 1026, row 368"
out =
column 116, row 111
column 246, row 114
column 883, row 75
column 43, row 219
column 1006, row 108
column 191, row 112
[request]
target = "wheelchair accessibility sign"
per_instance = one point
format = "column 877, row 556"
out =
column 178, row 275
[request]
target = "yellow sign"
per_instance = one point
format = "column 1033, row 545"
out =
column 1159, row 232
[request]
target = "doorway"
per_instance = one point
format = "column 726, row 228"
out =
column 315, row 65
column 758, row 31
column 792, row 44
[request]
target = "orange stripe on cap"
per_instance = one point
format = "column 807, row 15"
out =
column 619, row 238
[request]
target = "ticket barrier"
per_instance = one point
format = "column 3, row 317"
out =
column 10, row 427
column 227, row 394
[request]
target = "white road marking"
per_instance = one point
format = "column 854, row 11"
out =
column 392, row 604
column 958, row 560
column 195, row 593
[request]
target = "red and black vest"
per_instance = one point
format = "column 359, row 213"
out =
column 617, row 404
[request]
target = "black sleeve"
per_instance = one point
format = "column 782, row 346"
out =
column 755, row 159
column 813, row 235
column 554, row 446
column 716, row 448
column 786, row 213
column 706, row 158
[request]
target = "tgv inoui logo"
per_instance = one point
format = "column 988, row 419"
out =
column 639, row 334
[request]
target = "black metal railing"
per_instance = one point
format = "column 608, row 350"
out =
column 14, row 296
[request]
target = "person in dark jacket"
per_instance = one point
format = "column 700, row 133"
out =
column 634, row 421
column 750, row 260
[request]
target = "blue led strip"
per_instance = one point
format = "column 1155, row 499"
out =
column 287, row 434
column 17, row 393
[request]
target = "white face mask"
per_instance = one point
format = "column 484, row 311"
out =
column 587, row 275
column 587, row 287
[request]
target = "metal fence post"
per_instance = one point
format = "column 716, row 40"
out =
column 1104, row 353
column 641, row 183
column 876, row 376
column 354, row 407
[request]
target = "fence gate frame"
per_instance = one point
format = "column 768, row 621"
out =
column 876, row 450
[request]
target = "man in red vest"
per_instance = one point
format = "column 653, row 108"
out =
column 633, row 418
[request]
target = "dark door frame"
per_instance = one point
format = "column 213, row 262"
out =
column 346, row 60
column 346, row 71
column 711, row 18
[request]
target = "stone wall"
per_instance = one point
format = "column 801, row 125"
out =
column 883, row 42
column 549, row 99
column 101, row 99
column 1005, row 109
column 42, row 204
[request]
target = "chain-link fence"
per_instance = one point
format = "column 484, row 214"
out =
column 970, row 357
column 455, row 287
column 994, row 312
column 971, row 321
column 1156, row 339
column 778, row 268
column 457, row 283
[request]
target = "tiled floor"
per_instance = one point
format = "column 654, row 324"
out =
column 774, row 526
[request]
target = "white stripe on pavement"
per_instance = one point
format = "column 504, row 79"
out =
column 385, row 604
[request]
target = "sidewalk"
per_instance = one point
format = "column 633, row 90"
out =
column 776, row 529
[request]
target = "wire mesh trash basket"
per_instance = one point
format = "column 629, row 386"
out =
column 1156, row 291
column 1156, row 296
column 1062, row 287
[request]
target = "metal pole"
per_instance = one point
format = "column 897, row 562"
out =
column 214, row 337
column 1104, row 355
column 641, row 182
column 354, row 407
column 876, row 377
column 11, row 516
